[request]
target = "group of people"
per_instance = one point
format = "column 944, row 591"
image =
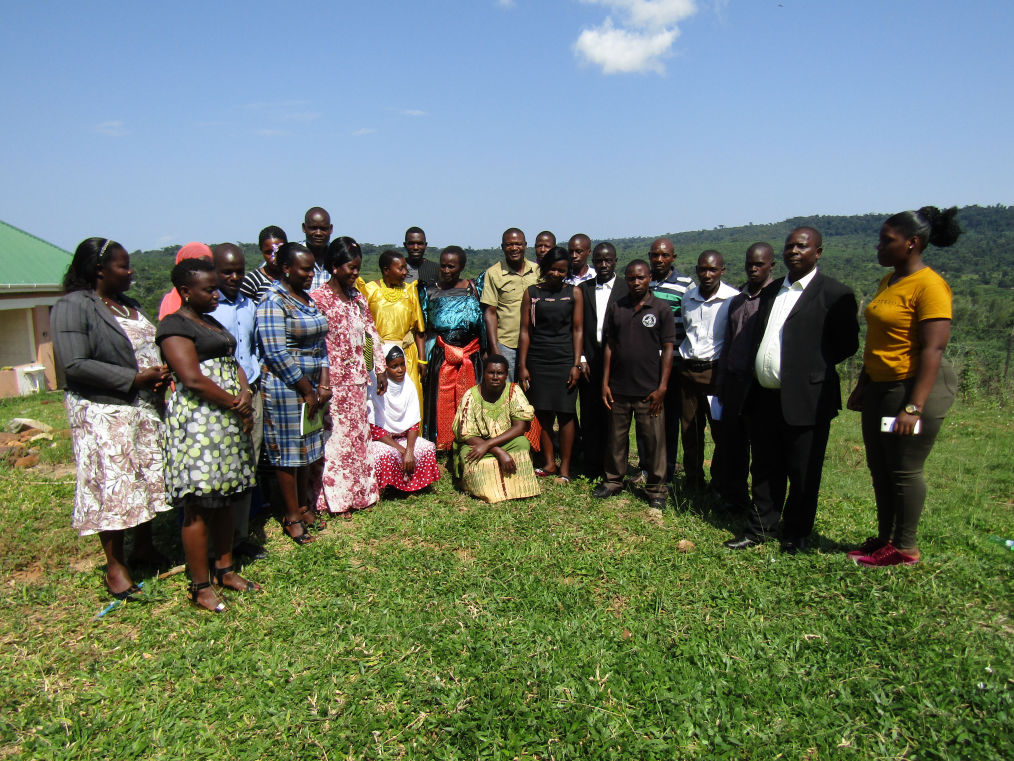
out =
column 347, row 387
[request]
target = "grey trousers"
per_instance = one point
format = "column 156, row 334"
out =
column 650, row 430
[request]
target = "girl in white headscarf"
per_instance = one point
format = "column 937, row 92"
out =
column 401, row 458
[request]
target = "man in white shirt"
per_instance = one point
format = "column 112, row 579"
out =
column 579, row 247
column 808, row 324
column 705, row 310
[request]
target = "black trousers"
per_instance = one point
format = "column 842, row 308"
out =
column 783, row 455
column 594, row 423
column 735, row 442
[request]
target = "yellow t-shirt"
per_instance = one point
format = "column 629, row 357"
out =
column 892, row 320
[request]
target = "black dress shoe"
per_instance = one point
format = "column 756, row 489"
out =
column 658, row 503
column 604, row 492
column 743, row 542
column 249, row 550
column 792, row 546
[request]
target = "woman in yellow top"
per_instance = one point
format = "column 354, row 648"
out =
column 398, row 314
column 905, row 378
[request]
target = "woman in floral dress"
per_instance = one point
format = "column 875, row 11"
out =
column 208, row 454
column 114, row 379
column 348, row 482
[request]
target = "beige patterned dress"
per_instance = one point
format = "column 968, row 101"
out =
column 118, row 450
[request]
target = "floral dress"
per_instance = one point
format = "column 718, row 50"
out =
column 208, row 455
column 348, row 480
column 118, row 450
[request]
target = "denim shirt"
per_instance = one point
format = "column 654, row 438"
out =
column 239, row 318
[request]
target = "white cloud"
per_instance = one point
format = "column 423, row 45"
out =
column 364, row 131
column 508, row 4
column 113, row 128
column 412, row 112
column 641, row 40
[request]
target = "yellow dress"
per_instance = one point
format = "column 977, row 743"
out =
column 398, row 316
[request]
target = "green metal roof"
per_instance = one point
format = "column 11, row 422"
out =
column 28, row 263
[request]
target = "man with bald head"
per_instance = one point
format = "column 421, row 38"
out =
column 504, row 288
column 807, row 324
column 579, row 247
column 317, row 228
column 735, row 374
column 236, row 314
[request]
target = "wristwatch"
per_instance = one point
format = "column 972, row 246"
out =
column 911, row 409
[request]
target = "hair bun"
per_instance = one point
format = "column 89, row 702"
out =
column 944, row 229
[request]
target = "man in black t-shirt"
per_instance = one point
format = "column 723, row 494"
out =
column 639, row 335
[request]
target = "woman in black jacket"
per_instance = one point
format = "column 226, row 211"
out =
column 114, row 380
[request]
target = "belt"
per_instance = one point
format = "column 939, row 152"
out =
column 309, row 352
column 698, row 365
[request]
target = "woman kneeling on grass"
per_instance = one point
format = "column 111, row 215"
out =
column 209, row 454
column 905, row 377
column 491, row 454
column 401, row 458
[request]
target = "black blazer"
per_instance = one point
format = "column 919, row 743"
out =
column 821, row 330
column 591, row 348
column 97, row 358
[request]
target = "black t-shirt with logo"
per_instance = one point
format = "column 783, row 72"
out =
column 637, row 334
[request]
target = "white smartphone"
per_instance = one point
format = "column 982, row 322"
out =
column 887, row 425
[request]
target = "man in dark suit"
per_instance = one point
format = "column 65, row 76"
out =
column 809, row 324
column 599, row 292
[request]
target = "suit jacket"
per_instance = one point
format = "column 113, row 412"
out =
column 591, row 348
column 97, row 358
column 821, row 330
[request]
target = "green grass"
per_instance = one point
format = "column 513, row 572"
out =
column 560, row 627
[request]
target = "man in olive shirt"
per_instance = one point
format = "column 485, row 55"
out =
column 506, row 283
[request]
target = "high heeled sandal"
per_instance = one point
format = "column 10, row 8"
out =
column 195, row 589
column 221, row 573
column 317, row 524
column 300, row 539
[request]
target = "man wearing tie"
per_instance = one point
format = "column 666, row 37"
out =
column 809, row 324
column 599, row 293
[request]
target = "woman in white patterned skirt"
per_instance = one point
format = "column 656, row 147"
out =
column 114, row 381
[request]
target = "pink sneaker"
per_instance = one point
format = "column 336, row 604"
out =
column 885, row 556
column 868, row 547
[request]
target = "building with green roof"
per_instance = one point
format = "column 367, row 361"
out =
column 31, row 276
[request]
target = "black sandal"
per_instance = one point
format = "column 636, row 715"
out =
column 301, row 539
column 221, row 573
column 195, row 589
column 127, row 595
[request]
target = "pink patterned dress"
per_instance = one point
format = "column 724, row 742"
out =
column 349, row 482
column 118, row 450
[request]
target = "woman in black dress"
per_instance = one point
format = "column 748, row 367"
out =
column 549, row 356
column 208, row 454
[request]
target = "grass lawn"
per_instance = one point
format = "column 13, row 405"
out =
column 561, row 627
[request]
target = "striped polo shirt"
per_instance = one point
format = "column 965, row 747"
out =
column 671, row 291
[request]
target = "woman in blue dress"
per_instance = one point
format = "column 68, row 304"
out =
column 454, row 317
column 291, row 331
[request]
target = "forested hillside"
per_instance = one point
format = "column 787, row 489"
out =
column 980, row 270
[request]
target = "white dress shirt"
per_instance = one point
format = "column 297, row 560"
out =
column 768, row 365
column 602, row 293
column 704, row 320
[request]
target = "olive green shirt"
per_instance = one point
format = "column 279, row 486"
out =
column 504, row 289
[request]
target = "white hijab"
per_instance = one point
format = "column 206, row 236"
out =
column 397, row 409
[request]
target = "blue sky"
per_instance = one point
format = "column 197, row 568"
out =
column 157, row 124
